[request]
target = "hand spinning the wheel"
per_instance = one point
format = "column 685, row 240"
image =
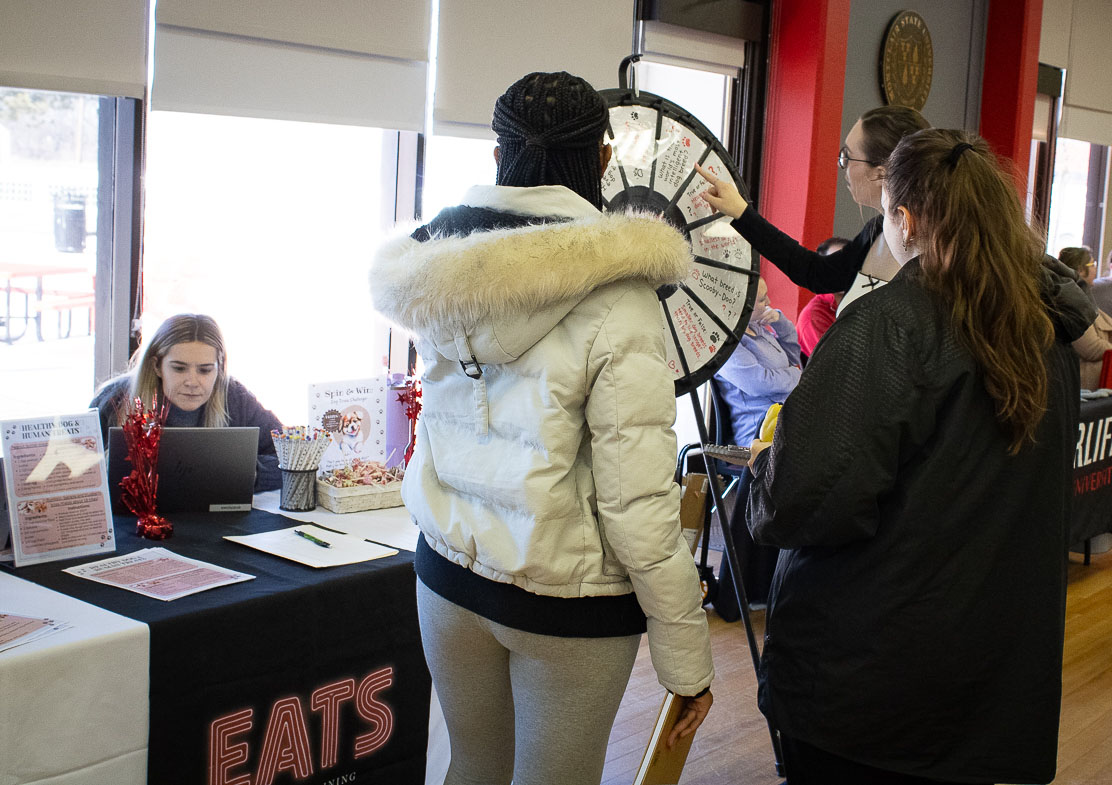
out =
column 722, row 195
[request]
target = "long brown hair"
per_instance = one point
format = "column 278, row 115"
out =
column 978, row 252
column 883, row 127
column 182, row 328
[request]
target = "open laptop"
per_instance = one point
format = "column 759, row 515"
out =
column 199, row 469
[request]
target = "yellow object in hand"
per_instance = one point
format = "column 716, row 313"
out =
column 768, row 426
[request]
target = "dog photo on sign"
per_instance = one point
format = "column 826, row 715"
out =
column 353, row 412
column 352, row 434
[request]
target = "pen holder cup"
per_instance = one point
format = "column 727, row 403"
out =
column 299, row 490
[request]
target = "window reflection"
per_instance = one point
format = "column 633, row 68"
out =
column 1070, row 190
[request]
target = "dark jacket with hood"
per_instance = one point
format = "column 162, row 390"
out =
column 916, row 617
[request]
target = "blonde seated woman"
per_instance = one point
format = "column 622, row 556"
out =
column 185, row 364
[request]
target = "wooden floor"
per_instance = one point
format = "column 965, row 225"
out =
column 733, row 745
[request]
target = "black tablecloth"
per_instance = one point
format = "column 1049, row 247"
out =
column 302, row 675
column 1092, row 472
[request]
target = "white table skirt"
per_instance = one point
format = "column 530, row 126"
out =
column 74, row 704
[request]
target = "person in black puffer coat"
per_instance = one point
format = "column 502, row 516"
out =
column 919, row 484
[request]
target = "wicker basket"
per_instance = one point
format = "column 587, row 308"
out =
column 359, row 497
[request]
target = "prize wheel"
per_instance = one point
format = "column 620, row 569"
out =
column 655, row 146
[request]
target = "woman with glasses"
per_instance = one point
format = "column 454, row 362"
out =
column 1097, row 340
column 866, row 262
column 1079, row 258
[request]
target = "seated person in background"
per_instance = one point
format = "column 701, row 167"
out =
column 185, row 364
column 1097, row 340
column 821, row 310
column 763, row 369
column 1079, row 258
column 1102, row 286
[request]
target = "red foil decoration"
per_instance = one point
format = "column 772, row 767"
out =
column 142, row 429
column 411, row 397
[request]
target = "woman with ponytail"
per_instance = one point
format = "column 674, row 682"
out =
column 542, row 476
column 919, row 482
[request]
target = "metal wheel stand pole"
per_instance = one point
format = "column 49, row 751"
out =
column 734, row 565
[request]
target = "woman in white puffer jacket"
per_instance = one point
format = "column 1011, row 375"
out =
column 542, row 475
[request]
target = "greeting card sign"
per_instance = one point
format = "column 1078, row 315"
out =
column 57, row 488
column 354, row 413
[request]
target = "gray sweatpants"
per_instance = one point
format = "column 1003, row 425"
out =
column 521, row 707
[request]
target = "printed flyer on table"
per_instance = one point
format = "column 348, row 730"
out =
column 158, row 573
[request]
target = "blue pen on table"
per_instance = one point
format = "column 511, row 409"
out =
column 312, row 539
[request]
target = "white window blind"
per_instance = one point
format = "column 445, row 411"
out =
column 666, row 43
column 77, row 46
column 351, row 62
column 1087, row 125
column 388, row 28
column 485, row 47
column 1087, row 102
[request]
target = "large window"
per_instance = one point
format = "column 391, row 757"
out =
column 1067, row 207
column 452, row 165
column 1077, row 210
column 269, row 227
column 702, row 93
column 49, row 187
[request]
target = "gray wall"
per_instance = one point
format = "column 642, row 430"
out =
column 957, row 29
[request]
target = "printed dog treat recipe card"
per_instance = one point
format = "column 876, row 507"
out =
column 19, row 630
column 158, row 573
column 57, row 488
column 6, row 552
column 354, row 413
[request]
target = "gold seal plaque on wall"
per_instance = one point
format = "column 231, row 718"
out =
column 907, row 61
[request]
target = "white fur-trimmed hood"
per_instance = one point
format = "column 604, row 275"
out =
column 530, row 277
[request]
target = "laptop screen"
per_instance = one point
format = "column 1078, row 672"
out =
column 199, row 469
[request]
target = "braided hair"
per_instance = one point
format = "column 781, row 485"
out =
column 550, row 127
